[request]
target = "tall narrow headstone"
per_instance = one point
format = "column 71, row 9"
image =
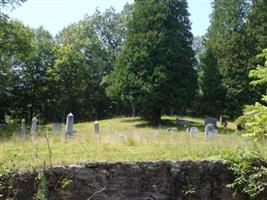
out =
column 34, row 126
column 210, row 131
column 97, row 127
column 221, row 119
column 22, row 128
column 69, row 124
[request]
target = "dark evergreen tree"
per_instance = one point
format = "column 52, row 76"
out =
column 155, row 70
column 212, row 93
column 256, row 27
column 227, row 41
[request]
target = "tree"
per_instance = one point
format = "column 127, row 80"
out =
column 155, row 69
column 11, row 45
column 15, row 46
column 86, row 52
column 255, row 116
column 30, row 92
column 8, row 4
column 111, row 29
column 210, row 84
column 227, row 40
column 256, row 28
column 198, row 47
column 82, row 62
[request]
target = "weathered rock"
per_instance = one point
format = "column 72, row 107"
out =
column 162, row 180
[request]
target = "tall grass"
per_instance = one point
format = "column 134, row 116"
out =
column 120, row 139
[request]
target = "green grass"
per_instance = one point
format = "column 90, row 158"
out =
column 121, row 139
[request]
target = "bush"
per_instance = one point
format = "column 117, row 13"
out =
column 250, row 173
column 255, row 116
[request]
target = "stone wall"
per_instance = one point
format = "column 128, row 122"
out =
column 163, row 180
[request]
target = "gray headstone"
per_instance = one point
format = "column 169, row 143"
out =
column 172, row 129
column 97, row 127
column 211, row 120
column 210, row 131
column 221, row 119
column 22, row 131
column 194, row 130
column 69, row 124
column 56, row 127
column 34, row 126
column 183, row 122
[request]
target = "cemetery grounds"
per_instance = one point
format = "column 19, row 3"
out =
column 120, row 139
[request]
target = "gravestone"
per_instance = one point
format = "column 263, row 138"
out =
column 210, row 120
column 172, row 129
column 34, row 126
column 69, row 124
column 97, row 127
column 221, row 119
column 22, row 131
column 210, row 131
column 194, row 130
column 183, row 122
column 56, row 127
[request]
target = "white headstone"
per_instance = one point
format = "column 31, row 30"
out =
column 210, row 131
column 97, row 127
column 22, row 128
column 69, row 124
column 56, row 127
column 194, row 130
column 34, row 126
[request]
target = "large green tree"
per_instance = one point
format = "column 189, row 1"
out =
column 226, row 39
column 155, row 70
column 15, row 40
column 85, row 56
column 30, row 90
column 12, row 44
column 212, row 93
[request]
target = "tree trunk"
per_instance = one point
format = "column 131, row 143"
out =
column 133, row 111
column 156, row 116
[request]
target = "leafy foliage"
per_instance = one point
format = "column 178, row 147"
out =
column 250, row 173
column 48, row 77
column 42, row 190
column 255, row 116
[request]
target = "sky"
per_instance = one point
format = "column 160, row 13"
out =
column 54, row 15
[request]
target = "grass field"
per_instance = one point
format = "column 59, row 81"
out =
column 121, row 139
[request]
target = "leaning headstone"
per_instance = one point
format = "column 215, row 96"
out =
column 210, row 131
column 22, row 131
column 211, row 120
column 69, row 124
column 193, row 130
column 97, row 127
column 56, row 127
column 34, row 126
